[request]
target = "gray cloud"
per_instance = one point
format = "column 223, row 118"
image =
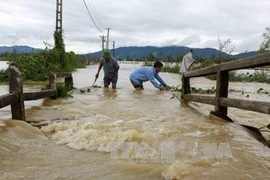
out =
column 193, row 23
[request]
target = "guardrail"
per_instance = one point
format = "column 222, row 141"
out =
column 16, row 97
column 221, row 100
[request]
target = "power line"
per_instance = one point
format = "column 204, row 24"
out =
column 91, row 16
column 96, row 14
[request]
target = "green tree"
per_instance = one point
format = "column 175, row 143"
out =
column 59, row 41
column 225, row 47
column 7, row 54
column 265, row 45
column 161, row 54
column 36, row 66
column 60, row 46
column 154, row 55
column 179, row 58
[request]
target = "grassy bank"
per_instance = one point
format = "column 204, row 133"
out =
column 171, row 68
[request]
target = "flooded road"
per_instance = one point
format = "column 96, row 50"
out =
column 125, row 134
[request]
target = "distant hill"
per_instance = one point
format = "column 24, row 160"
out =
column 19, row 49
column 136, row 52
column 245, row 54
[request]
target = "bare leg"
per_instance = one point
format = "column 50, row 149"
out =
column 139, row 88
column 106, row 85
column 113, row 86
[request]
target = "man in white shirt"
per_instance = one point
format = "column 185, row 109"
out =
column 187, row 62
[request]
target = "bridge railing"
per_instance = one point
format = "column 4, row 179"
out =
column 221, row 100
column 16, row 96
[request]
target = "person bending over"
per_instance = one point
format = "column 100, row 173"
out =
column 144, row 74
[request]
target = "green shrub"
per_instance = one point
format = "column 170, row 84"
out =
column 171, row 68
column 37, row 66
column 3, row 75
column 63, row 91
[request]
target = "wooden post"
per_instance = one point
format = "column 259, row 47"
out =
column 185, row 85
column 222, row 90
column 16, row 86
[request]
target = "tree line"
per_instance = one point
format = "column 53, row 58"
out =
column 37, row 66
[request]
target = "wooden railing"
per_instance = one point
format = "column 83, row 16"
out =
column 221, row 100
column 16, row 97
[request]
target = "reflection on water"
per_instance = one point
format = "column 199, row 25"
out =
column 82, row 131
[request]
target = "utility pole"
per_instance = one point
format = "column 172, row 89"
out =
column 102, row 41
column 59, row 8
column 108, row 35
column 113, row 48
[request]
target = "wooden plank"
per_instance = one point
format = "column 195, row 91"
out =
column 185, row 85
column 8, row 99
column 177, row 95
column 203, row 71
column 39, row 95
column 258, row 106
column 250, row 62
column 201, row 99
column 222, row 90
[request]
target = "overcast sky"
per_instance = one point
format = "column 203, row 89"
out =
column 192, row 23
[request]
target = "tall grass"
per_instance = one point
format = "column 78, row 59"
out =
column 171, row 68
column 233, row 77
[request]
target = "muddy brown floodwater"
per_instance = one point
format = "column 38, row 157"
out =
column 125, row 134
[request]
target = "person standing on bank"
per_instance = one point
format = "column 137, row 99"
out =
column 144, row 74
column 187, row 62
column 110, row 67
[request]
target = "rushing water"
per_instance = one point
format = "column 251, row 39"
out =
column 164, row 138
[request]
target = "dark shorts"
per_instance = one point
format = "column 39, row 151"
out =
column 113, row 80
column 136, row 85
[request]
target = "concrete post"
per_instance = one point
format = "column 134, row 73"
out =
column 16, row 86
column 52, row 83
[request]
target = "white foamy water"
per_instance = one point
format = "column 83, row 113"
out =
column 125, row 134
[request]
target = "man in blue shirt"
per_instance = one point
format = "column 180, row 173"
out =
column 144, row 74
column 110, row 67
